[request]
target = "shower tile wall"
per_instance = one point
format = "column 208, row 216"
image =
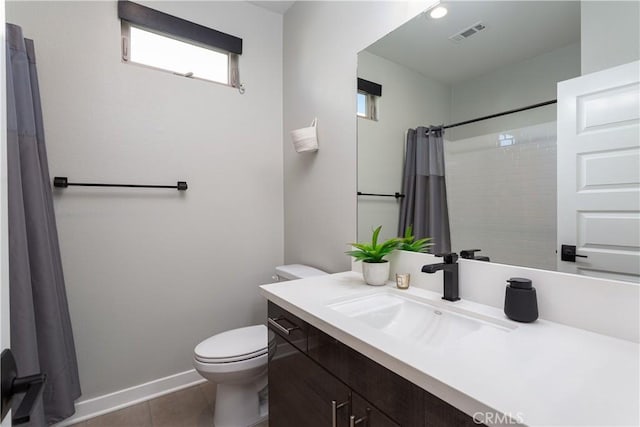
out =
column 501, row 189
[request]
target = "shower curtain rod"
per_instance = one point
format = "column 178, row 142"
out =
column 504, row 113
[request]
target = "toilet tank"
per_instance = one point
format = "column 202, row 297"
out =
column 296, row 271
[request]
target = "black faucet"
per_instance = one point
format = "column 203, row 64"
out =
column 471, row 254
column 450, row 269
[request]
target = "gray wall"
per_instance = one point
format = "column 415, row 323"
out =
column 610, row 34
column 150, row 273
column 321, row 43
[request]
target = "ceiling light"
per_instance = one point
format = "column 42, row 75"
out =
column 438, row 12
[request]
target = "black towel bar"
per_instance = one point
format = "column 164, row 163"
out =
column 63, row 182
column 396, row 194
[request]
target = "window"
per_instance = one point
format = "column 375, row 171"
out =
column 362, row 104
column 368, row 95
column 164, row 42
column 166, row 53
column 504, row 140
column 367, row 106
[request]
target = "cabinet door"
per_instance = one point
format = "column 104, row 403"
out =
column 365, row 415
column 301, row 392
column 401, row 400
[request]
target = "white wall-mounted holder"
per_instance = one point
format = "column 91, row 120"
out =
column 305, row 139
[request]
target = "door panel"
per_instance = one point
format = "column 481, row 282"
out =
column 599, row 172
column 609, row 170
column 610, row 107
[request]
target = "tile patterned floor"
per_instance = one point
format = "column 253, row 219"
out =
column 191, row 407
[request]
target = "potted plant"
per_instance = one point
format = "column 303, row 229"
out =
column 410, row 244
column 375, row 268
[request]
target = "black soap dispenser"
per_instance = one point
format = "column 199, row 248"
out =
column 520, row 301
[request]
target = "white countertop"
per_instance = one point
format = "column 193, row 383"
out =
column 540, row 373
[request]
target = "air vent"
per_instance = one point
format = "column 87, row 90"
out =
column 467, row 32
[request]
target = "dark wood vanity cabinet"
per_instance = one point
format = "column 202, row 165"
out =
column 326, row 383
column 364, row 414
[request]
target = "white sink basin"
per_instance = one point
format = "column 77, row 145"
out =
column 417, row 319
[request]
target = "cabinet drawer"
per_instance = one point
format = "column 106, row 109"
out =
column 290, row 327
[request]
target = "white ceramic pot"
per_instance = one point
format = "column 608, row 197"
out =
column 376, row 273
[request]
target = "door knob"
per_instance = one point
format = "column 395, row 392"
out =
column 31, row 385
column 568, row 253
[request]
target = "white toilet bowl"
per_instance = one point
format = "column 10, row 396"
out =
column 236, row 361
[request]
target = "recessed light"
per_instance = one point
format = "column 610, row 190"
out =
column 438, row 12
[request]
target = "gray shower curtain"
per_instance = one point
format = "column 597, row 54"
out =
column 41, row 336
column 423, row 184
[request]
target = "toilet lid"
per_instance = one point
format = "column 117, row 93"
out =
column 233, row 345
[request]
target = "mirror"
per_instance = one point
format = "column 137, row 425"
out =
column 482, row 58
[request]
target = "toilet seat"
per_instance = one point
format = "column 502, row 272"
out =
column 230, row 359
column 235, row 345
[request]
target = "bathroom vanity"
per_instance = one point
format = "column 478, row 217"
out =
column 347, row 354
column 316, row 380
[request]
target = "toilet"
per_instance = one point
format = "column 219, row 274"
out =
column 236, row 361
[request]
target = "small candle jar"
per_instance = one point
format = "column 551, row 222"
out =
column 402, row 280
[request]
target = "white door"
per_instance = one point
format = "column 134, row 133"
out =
column 599, row 172
column 4, row 258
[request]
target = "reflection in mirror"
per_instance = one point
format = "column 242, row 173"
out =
column 482, row 58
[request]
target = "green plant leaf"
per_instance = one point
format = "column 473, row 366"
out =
column 409, row 243
column 374, row 239
column 374, row 252
column 408, row 232
column 362, row 246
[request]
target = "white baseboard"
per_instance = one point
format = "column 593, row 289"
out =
column 100, row 405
